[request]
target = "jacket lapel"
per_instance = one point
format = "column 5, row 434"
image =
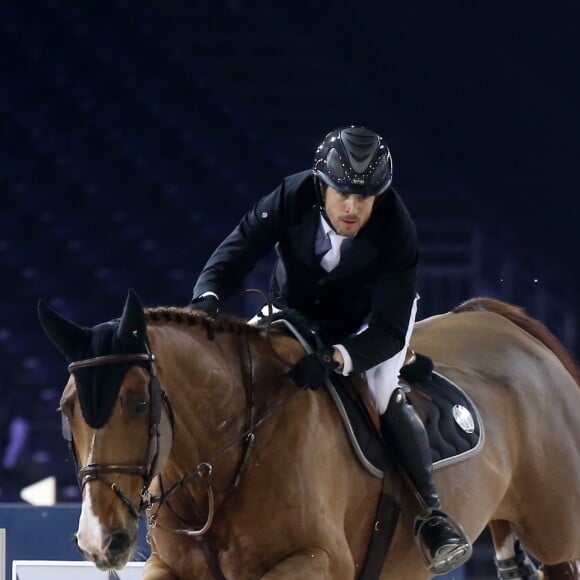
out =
column 361, row 252
column 303, row 236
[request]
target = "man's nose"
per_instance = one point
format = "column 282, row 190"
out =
column 349, row 204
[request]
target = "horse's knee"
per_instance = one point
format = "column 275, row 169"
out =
column 312, row 563
column 155, row 569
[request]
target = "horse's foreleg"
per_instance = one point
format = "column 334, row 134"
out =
column 314, row 564
column 155, row 569
column 510, row 559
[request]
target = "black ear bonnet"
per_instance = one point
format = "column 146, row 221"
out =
column 98, row 387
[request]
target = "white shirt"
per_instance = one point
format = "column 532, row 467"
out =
column 331, row 258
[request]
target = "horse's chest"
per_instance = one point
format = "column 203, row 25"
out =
column 184, row 557
column 190, row 558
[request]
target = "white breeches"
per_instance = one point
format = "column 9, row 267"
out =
column 383, row 378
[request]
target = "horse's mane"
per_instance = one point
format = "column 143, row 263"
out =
column 530, row 325
column 186, row 317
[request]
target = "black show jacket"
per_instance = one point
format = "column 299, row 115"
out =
column 374, row 282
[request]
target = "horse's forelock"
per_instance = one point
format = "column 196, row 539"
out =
column 98, row 387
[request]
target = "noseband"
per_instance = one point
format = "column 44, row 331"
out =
column 157, row 400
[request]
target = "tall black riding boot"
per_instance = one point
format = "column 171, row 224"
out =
column 441, row 539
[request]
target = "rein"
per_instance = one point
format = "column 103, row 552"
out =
column 204, row 469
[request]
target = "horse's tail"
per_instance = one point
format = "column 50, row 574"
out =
column 530, row 325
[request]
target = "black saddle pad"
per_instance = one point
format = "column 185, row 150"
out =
column 452, row 422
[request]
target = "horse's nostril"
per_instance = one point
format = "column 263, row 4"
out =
column 80, row 550
column 118, row 543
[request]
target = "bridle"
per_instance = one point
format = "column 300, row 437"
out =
column 158, row 401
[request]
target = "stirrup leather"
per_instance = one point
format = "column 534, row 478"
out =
column 448, row 556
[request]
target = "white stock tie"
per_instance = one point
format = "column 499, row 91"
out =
column 331, row 259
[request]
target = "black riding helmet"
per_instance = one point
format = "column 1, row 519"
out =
column 354, row 160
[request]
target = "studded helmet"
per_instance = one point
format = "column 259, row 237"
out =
column 354, row 160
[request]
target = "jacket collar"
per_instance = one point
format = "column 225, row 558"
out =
column 303, row 237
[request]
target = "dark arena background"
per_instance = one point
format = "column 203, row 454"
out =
column 134, row 135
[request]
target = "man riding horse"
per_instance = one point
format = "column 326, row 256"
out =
column 347, row 261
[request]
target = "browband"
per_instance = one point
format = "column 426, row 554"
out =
column 109, row 359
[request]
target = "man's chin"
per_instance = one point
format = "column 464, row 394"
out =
column 349, row 230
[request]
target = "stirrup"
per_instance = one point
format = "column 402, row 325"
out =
column 448, row 557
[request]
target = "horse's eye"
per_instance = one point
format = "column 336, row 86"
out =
column 141, row 405
column 134, row 404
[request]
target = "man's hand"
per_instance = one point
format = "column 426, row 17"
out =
column 313, row 369
column 208, row 304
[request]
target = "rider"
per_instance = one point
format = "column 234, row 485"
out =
column 344, row 237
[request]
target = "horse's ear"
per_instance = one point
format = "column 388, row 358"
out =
column 133, row 320
column 67, row 336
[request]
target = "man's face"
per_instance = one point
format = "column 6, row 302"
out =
column 347, row 212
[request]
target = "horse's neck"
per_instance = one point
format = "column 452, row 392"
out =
column 204, row 381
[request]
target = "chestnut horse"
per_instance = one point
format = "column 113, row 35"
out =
column 245, row 476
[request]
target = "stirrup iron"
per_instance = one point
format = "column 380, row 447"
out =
column 448, row 557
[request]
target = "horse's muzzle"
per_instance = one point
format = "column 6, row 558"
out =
column 117, row 549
